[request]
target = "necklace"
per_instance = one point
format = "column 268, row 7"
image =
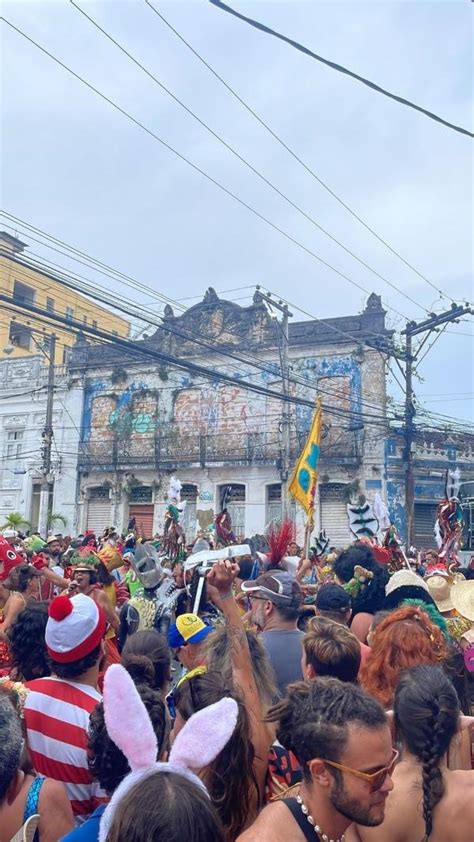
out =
column 317, row 829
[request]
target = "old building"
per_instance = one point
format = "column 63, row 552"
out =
column 144, row 419
column 26, row 282
column 22, row 419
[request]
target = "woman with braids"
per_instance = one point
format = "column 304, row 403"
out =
column 369, row 596
column 236, row 778
column 406, row 638
column 429, row 803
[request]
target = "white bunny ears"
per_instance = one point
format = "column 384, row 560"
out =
column 199, row 742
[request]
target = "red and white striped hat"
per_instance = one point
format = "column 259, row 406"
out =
column 76, row 625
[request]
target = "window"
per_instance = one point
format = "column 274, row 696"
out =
column 232, row 497
column 69, row 314
column 84, row 319
column 94, row 323
column 14, row 444
column 23, row 294
column 50, row 305
column 273, row 507
column 141, row 494
column 20, row 335
column 66, row 355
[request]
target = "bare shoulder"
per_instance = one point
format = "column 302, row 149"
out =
column 274, row 824
column 53, row 793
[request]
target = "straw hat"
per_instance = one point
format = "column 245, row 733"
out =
column 440, row 589
column 462, row 596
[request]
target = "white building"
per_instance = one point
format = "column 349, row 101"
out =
column 23, row 395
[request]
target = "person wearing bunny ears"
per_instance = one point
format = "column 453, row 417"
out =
column 201, row 739
column 107, row 763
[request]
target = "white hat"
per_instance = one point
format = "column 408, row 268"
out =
column 462, row 596
column 440, row 589
column 9, row 533
column 404, row 579
column 75, row 627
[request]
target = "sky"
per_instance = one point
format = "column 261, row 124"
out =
column 79, row 170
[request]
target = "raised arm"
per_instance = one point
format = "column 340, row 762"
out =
column 221, row 579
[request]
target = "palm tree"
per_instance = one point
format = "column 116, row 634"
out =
column 15, row 521
column 54, row 518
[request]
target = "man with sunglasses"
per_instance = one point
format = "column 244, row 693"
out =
column 341, row 738
column 276, row 600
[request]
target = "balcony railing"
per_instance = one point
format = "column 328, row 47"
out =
column 169, row 451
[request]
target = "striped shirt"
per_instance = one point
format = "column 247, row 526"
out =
column 57, row 718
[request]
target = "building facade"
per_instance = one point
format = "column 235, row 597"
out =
column 143, row 420
column 26, row 284
column 22, row 420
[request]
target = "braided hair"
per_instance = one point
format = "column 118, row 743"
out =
column 426, row 712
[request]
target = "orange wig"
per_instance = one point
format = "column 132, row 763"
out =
column 406, row 638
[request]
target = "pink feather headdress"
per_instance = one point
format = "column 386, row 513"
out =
column 198, row 743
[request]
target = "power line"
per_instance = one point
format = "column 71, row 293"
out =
column 243, row 160
column 138, row 285
column 127, row 345
column 190, row 336
column 294, row 155
column 340, row 68
column 194, row 166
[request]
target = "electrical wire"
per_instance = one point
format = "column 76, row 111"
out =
column 340, row 68
column 243, row 160
column 293, row 154
column 187, row 335
column 194, row 166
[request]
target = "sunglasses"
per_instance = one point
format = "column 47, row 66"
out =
column 375, row 779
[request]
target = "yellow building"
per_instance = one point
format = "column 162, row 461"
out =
column 26, row 284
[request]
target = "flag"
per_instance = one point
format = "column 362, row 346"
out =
column 303, row 482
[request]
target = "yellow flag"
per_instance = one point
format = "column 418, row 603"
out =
column 303, row 482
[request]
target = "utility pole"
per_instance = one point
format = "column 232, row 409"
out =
column 413, row 329
column 283, row 346
column 47, row 443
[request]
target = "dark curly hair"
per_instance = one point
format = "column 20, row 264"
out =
column 74, row 669
column 426, row 713
column 314, row 716
column 27, row 643
column 230, row 779
column 371, row 599
column 106, row 762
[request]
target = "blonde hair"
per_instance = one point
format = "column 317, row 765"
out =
column 331, row 649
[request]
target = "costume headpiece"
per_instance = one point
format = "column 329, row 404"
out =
column 9, row 558
column 75, row 627
column 198, row 743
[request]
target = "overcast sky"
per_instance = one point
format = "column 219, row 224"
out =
column 79, row 170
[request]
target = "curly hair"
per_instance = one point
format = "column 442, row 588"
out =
column 371, row 598
column 426, row 711
column 406, row 638
column 27, row 643
column 73, row 669
column 314, row 716
column 218, row 659
column 106, row 762
column 230, row 779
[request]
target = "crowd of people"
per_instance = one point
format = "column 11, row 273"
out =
column 148, row 696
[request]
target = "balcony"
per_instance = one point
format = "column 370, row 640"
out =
column 169, row 451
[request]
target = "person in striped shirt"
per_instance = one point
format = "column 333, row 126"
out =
column 58, row 707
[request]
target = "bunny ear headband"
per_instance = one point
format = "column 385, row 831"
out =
column 199, row 742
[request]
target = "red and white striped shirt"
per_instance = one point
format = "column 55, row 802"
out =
column 57, row 718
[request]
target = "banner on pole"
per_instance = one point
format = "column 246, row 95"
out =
column 303, row 482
